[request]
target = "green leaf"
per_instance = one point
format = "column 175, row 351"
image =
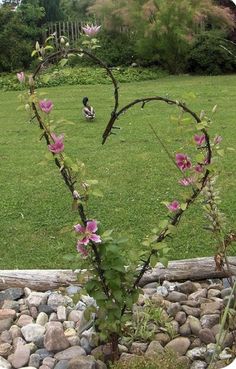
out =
column 154, row 260
column 163, row 223
column 164, row 261
column 63, row 62
column 107, row 233
column 92, row 182
column 183, row 206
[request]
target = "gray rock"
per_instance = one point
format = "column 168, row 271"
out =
column 42, row 318
column 62, row 364
column 211, row 349
column 157, row 299
column 88, row 300
column 11, row 304
column 84, row 324
column 206, row 336
column 195, row 343
column 72, row 290
column 191, row 311
column 67, row 324
column 100, row 365
column 5, row 349
column 180, row 345
column 5, row 324
column 154, row 348
column 43, row 353
column 226, row 292
column 198, row 364
column 195, row 325
column 163, row 338
column 208, row 321
column 55, row 339
column 24, row 320
column 34, row 360
column 70, row 353
column 61, row 313
column 13, row 293
column 225, row 355
column 15, row 331
column 191, row 303
column 171, row 286
column 36, row 298
column 21, row 356
column 198, row 294
column 55, row 299
column 138, row 347
column 49, row 361
column 181, row 317
column 226, row 300
column 211, row 308
column 43, row 308
column 91, row 336
column 75, row 315
column 174, row 308
column 82, row 362
column 226, row 339
column 213, row 293
column 151, row 285
column 161, row 290
column 197, row 353
column 176, row 296
column 187, row 287
column 125, row 357
column 185, row 329
column 84, row 343
column 39, row 342
column 31, row 331
column 4, row 364
column 6, row 337
column 149, row 291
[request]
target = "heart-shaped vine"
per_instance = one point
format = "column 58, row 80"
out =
column 113, row 280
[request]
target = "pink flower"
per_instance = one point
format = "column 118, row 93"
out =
column 199, row 139
column 173, row 206
column 88, row 233
column 81, row 249
column 217, row 140
column 92, row 30
column 198, row 168
column 186, row 181
column 21, row 77
column 58, row 145
column 46, row 106
column 183, row 161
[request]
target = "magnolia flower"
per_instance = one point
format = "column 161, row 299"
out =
column 186, row 181
column 217, row 140
column 21, row 77
column 58, row 145
column 199, row 139
column 198, row 168
column 173, row 206
column 46, row 106
column 91, row 30
column 183, row 161
column 88, row 233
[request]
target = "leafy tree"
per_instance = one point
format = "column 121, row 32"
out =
column 76, row 9
column 18, row 32
column 164, row 29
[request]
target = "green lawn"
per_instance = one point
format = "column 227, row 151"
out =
column 133, row 171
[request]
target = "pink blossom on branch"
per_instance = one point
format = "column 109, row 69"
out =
column 183, row 161
column 92, row 30
column 217, row 140
column 198, row 168
column 21, row 77
column 58, row 145
column 199, row 139
column 186, row 181
column 173, row 206
column 46, row 105
column 88, row 233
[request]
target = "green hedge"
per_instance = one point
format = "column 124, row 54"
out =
column 83, row 76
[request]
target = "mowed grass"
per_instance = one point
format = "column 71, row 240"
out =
column 134, row 173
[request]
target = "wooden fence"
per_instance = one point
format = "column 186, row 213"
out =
column 69, row 29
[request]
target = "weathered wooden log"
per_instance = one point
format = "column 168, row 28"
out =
column 178, row 270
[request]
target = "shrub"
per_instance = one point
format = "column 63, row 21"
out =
column 83, row 76
column 167, row 360
column 207, row 55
